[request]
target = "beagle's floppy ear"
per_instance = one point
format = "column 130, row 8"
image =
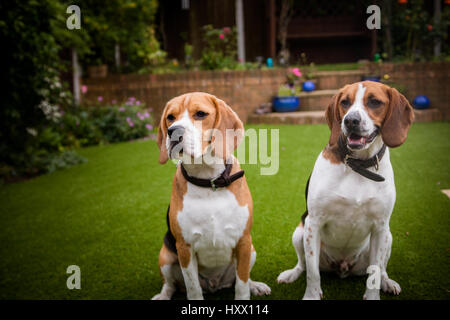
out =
column 226, row 120
column 398, row 119
column 333, row 118
column 161, row 139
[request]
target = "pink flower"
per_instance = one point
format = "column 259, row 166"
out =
column 149, row 127
column 84, row 88
column 226, row 30
column 146, row 115
column 140, row 116
column 100, row 98
column 114, row 101
column 130, row 123
column 222, row 36
column 138, row 103
column 132, row 98
column 296, row 71
column 121, row 109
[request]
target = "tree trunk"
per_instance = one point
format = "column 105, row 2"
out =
column 387, row 28
column 286, row 13
column 117, row 56
column 76, row 77
column 437, row 21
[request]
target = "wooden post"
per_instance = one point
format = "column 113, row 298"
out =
column 76, row 77
column 117, row 56
column 240, row 30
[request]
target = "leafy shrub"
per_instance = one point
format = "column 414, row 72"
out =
column 52, row 145
column 62, row 160
column 115, row 123
column 220, row 51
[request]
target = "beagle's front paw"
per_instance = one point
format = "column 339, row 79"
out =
column 313, row 293
column 161, row 296
column 372, row 294
column 259, row 288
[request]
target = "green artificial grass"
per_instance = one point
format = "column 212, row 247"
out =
column 108, row 217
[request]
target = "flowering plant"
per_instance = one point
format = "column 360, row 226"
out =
column 292, row 86
column 220, row 50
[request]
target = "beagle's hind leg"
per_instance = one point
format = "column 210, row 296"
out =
column 291, row 275
column 170, row 272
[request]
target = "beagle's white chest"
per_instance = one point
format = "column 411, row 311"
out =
column 349, row 205
column 212, row 222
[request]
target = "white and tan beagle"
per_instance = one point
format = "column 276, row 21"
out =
column 208, row 245
column 351, row 191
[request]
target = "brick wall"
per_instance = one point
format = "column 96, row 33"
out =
column 244, row 91
column 424, row 78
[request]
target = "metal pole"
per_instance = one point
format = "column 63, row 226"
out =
column 240, row 30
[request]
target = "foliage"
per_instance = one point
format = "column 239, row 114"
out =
column 128, row 23
column 61, row 161
column 309, row 68
column 33, row 133
column 220, row 50
column 105, row 124
column 32, row 91
column 292, row 86
column 188, row 50
column 414, row 31
column 53, row 145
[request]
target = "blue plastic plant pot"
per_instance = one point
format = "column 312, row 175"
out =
column 308, row 86
column 421, row 102
column 371, row 78
column 286, row 104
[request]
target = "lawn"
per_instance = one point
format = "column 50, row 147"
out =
column 108, row 217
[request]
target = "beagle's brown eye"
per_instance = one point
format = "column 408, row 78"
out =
column 345, row 103
column 170, row 117
column 374, row 103
column 200, row 115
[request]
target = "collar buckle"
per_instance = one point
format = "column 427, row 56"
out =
column 377, row 164
column 213, row 185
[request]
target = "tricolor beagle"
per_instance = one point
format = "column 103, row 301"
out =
column 351, row 193
column 208, row 245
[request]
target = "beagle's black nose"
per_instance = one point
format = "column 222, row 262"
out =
column 178, row 130
column 352, row 120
